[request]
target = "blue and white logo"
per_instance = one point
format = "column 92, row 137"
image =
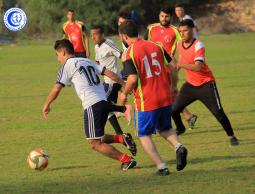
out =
column 15, row 19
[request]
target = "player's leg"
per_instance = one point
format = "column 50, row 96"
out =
column 210, row 98
column 95, row 118
column 189, row 117
column 184, row 98
column 164, row 127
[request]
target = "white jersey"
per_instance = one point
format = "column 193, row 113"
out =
column 107, row 54
column 83, row 74
column 188, row 17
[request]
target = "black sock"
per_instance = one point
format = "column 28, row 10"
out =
column 116, row 108
column 115, row 124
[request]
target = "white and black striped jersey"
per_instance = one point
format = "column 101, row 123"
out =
column 83, row 74
column 107, row 54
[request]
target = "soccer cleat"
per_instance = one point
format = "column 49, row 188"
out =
column 129, row 143
column 181, row 158
column 163, row 172
column 234, row 141
column 179, row 132
column 128, row 113
column 192, row 121
column 128, row 165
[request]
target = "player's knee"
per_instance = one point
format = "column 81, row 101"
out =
column 94, row 143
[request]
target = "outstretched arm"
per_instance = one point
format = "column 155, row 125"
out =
column 51, row 97
column 113, row 76
column 129, row 87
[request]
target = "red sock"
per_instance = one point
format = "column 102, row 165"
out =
column 123, row 158
column 117, row 139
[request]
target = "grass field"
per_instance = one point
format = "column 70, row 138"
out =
column 27, row 72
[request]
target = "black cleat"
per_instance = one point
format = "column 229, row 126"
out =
column 234, row 141
column 128, row 165
column 179, row 131
column 129, row 143
column 163, row 172
column 181, row 158
column 192, row 121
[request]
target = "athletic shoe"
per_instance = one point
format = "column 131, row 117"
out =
column 128, row 165
column 181, row 158
column 192, row 121
column 163, row 172
column 129, row 143
column 179, row 132
column 234, row 141
column 128, row 113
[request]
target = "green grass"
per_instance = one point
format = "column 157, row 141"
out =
column 27, row 72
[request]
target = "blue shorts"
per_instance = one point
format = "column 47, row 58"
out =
column 150, row 121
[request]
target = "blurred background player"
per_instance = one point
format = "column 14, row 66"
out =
column 75, row 31
column 122, row 17
column 144, row 63
column 181, row 15
column 107, row 54
column 83, row 74
column 167, row 36
column 200, row 82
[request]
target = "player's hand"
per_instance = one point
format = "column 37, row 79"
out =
column 123, row 98
column 87, row 53
column 45, row 111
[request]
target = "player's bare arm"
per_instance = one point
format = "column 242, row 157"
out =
column 86, row 43
column 129, row 87
column 51, row 97
column 192, row 67
column 113, row 76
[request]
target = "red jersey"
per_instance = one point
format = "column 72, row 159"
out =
column 195, row 52
column 166, row 36
column 74, row 32
column 153, row 88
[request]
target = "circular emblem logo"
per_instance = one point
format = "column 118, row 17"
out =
column 15, row 19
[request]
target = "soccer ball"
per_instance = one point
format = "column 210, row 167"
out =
column 38, row 159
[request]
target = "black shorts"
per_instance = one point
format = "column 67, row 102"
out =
column 80, row 54
column 95, row 118
column 111, row 91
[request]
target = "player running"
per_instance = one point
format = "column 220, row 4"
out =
column 144, row 63
column 168, row 36
column 200, row 82
column 107, row 54
column 83, row 74
column 75, row 31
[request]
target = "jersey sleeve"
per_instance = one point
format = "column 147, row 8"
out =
column 167, row 56
column 113, row 49
column 64, row 77
column 128, row 64
column 199, row 52
column 99, row 68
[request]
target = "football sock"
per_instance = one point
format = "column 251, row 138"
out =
column 177, row 146
column 115, row 124
column 161, row 166
column 117, row 139
column 123, row 158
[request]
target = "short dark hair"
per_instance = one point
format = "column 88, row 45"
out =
column 124, row 14
column 179, row 5
column 98, row 27
column 167, row 10
column 64, row 44
column 70, row 10
column 129, row 28
column 187, row 22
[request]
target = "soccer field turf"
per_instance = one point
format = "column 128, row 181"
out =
column 28, row 71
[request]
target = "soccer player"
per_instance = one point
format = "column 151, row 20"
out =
column 83, row 74
column 144, row 63
column 75, row 31
column 122, row 17
column 181, row 15
column 168, row 36
column 200, row 82
column 107, row 54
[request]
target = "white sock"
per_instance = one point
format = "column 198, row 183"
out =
column 161, row 166
column 177, row 146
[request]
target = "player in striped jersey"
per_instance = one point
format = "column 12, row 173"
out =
column 83, row 74
column 107, row 54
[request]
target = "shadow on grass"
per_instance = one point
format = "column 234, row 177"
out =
column 68, row 168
